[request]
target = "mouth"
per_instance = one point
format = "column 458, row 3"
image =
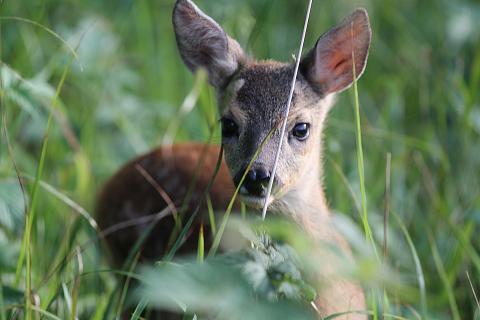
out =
column 252, row 201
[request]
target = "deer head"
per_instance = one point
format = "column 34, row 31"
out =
column 252, row 97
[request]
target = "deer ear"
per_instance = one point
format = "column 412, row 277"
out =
column 204, row 44
column 329, row 65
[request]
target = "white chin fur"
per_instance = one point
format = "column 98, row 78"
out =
column 255, row 202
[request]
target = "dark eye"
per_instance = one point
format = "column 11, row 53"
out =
column 229, row 128
column 301, row 131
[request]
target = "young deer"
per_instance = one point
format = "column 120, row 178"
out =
column 252, row 98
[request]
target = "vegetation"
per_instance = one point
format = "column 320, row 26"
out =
column 86, row 85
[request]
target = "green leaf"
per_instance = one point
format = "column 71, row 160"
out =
column 215, row 289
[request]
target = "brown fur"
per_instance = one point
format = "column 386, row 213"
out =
column 129, row 195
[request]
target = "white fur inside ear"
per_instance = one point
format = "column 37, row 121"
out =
column 330, row 64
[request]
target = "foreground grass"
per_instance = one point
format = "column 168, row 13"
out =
column 419, row 101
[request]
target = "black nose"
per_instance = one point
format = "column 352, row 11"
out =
column 256, row 182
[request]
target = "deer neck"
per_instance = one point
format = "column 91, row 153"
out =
column 308, row 207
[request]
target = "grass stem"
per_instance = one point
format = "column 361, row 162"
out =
column 360, row 162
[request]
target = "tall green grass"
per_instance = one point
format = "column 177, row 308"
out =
column 418, row 100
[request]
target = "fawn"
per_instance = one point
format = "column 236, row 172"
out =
column 252, row 99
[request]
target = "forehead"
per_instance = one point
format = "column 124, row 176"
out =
column 261, row 90
column 263, row 86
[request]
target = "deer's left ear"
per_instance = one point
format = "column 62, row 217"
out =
column 329, row 65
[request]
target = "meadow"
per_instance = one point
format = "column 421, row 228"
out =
column 87, row 85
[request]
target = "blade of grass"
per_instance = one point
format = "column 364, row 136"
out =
column 107, row 303
column 473, row 291
column 444, row 278
column 344, row 179
column 101, row 309
column 63, row 251
column 169, row 256
column 186, row 107
column 67, row 297
column 211, row 215
column 159, row 190
column 25, row 252
column 67, row 200
column 414, row 312
column 76, row 285
column 139, row 309
column 126, row 285
column 386, row 214
column 109, row 308
column 386, row 209
column 465, row 240
column 418, row 265
column 201, row 245
column 360, row 161
column 243, row 210
column 46, row 313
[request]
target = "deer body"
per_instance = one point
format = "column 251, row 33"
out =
column 252, row 99
column 129, row 195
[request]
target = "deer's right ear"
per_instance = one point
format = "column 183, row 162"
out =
column 204, row 44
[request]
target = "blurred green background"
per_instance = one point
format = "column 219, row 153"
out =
column 419, row 98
